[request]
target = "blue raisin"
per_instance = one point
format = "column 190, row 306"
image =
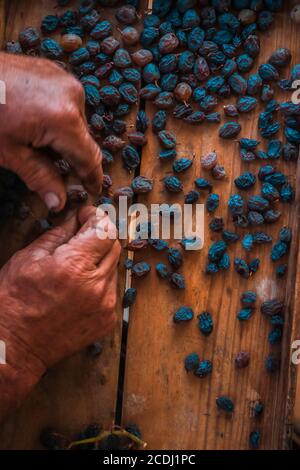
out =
column 192, row 197
column 184, row 314
column 245, row 314
column 230, row 237
column 248, row 298
column 254, row 439
column 205, row 323
column 141, row 269
column 246, row 181
column 173, row 184
column 271, row 364
column 204, row 369
column 212, row 202
column 182, row 164
column 175, row 257
column 191, row 362
column 129, row 297
column 242, row 268
column 225, row 403
column 230, row 130
column 248, row 242
column 177, row 281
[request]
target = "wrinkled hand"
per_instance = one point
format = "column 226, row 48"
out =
column 45, row 109
column 57, row 296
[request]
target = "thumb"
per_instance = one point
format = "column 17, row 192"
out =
column 41, row 176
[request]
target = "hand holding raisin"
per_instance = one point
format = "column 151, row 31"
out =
column 57, row 296
column 45, row 110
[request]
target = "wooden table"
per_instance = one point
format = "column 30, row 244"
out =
column 175, row 410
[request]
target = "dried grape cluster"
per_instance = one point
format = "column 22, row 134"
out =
column 93, row 437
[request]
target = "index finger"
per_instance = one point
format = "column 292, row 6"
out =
column 74, row 142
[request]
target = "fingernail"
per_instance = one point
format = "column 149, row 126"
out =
column 52, row 201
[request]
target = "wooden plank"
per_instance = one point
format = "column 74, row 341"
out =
column 176, row 410
column 80, row 390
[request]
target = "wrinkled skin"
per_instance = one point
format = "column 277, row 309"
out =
column 58, row 295
column 45, row 109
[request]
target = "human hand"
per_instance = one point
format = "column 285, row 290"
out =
column 57, row 296
column 45, row 110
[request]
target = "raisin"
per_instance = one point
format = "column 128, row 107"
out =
column 167, row 139
column 130, row 36
column 168, row 43
column 162, row 270
column 191, row 362
column 242, row 268
column 238, row 84
column 129, row 297
column 142, row 57
column 29, row 38
column 254, row 439
column 159, row 121
column 230, row 110
column 245, row 314
column 102, row 30
column 209, row 160
column 236, row 205
column 124, row 191
column 126, row 14
column 218, row 172
column 230, row 130
column 272, row 307
column 212, row 202
column 248, row 298
column 275, row 335
column 158, row 245
column 167, row 154
column 79, row 56
column 177, row 280
column 137, row 138
column 246, row 181
column 141, row 269
column 242, row 359
column 142, row 121
column 173, row 184
column 175, row 257
column 225, row 403
column 217, row 224
column 248, row 144
column 246, row 104
column 113, row 143
column 192, row 197
column 268, row 72
column 164, row 100
column 230, row 237
column 248, row 242
column 184, row 314
column 183, row 92
column 182, row 164
column 205, row 323
column 201, row 69
column 269, row 192
column 50, row 23
column 252, row 45
column 271, row 364
column 129, row 93
column 204, row 369
column 281, row 57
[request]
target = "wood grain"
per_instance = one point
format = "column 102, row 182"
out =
column 81, row 390
column 176, row 410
